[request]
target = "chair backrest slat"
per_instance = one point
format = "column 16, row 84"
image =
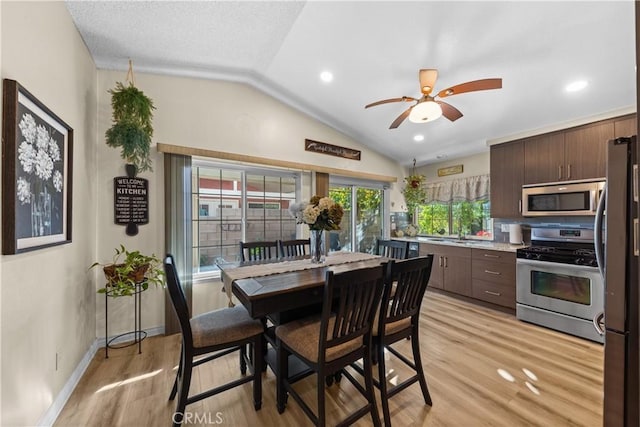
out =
column 294, row 248
column 409, row 279
column 395, row 249
column 256, row 251
column 354, row 296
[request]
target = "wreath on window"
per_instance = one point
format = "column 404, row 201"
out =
column 414, row 192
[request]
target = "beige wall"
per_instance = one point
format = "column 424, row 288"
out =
column 477, row 164
column 47, row 298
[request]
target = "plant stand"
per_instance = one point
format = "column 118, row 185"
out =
column 138, row 333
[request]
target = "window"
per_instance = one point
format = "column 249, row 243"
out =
column 238, row 205
column 457, row 218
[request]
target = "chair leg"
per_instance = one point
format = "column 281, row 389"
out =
column 258, row 360
column 243, row 360
column 174, row 390
column 368, row 381
column 418, row 362
column 382, row 380
column 282, row 374
column 183, row 393
column 321, row 376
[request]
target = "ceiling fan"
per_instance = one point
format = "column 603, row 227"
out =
column 427, row 108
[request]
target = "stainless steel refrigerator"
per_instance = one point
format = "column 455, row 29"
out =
column 617, row 241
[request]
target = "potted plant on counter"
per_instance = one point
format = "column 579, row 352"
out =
column 129, row 269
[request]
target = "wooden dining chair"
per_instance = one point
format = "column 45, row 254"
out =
column 294, row 248
column 397, row 319
column 395, row 249
column 329, row 342
column 210, row 336
column 255, row 251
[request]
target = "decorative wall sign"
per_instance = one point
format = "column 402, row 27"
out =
column 451, row 170
column 333, row 150
column 131, row 202
column 37, row 166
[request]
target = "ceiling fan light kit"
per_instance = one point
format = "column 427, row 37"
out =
column 427, row 109
column 424, row 112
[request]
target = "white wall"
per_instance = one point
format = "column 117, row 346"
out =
column 47, row 298
column 213, row 115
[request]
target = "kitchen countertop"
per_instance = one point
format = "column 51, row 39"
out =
column 480, row 244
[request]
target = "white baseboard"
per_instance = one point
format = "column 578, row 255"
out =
column 56, row 407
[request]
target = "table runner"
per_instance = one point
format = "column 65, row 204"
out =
column 257, row 270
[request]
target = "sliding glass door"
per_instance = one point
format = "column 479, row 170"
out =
column 363, row 220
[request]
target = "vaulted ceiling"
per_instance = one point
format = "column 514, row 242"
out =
column 374, row 50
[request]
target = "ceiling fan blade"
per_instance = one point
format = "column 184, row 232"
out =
column 386, row 101
column 427, row 80
column 449, row 111
column 483, row 84
column 400, row 118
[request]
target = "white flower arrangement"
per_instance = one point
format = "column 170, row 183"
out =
column 37, row 153
column 321, row 213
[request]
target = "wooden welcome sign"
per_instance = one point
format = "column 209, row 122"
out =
column 332, row 150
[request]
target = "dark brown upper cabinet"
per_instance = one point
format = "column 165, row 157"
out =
column 577, row 153
column 507, row 177
column 625, row 126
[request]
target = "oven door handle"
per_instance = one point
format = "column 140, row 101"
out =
column 598, row 231
column 597, row 320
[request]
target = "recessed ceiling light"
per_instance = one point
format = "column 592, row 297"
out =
column 326, row 76
column 418, row 138
column 441, row 156
column 576, row 86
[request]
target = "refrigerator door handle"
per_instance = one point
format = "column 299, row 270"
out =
column 598, row 322
column 597, row 231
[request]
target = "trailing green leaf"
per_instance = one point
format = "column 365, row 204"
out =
column 132, row 113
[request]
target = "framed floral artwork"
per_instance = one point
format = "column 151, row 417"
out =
column 37, row 160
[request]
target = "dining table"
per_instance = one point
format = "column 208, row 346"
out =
column 278, row 286
column 281, row 290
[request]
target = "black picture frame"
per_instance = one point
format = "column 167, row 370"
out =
column 37, row 172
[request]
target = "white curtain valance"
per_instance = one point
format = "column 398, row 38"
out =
column 470, row 189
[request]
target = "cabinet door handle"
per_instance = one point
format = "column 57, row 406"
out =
column 497, row 273
column 520, row 205
column 492, row 256
column 559, row 172
column 439, row 261
column 495, row 294
column 569, row 171
column 445, row 262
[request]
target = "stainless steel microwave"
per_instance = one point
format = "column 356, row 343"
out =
column 562, row 198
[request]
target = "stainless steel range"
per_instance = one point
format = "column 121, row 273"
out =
column 558, row 284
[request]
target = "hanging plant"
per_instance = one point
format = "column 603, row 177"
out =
column 414, row 192
column 132, row 112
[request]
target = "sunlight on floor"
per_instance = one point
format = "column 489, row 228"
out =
column 128, row 381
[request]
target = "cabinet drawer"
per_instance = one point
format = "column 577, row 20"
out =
column 496, row 256
column 496, row 293
column 496, row 272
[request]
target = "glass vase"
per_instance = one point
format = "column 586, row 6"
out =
column 317, row 246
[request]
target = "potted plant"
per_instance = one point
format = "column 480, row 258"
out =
column 132, row 112
column 128, row 269
column 414, row 192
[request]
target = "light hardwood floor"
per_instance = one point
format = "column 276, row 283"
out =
column 483, row 368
